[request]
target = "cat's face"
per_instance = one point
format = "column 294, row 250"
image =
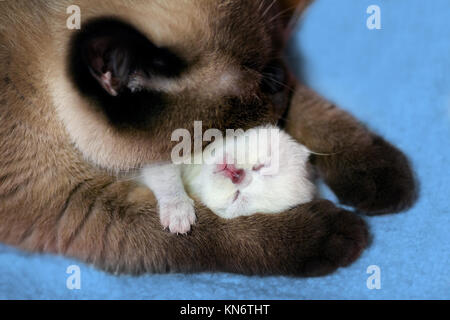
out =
column 264, row 175
column 218, row 62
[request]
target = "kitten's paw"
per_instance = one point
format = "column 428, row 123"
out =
column 376, row 179
column 177, row 215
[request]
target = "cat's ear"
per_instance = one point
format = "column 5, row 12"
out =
column 109, row 62
column 113, row 51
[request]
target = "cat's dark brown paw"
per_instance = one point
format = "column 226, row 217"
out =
column 343, row 242
column 375, row 179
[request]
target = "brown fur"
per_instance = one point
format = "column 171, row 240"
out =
column 363, row 169
column 58, row 154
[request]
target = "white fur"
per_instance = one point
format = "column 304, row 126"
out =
column 274, row 188
column 176, row 209
column 262, row 191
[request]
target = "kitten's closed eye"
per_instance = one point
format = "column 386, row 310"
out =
column 265, row 168
column 257, row 167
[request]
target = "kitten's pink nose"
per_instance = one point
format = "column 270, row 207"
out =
column 230, row 171
column 221, row 167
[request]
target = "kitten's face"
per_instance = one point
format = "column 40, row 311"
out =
column 272, row 178
column 212, row 61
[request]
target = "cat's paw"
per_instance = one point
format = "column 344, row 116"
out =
column 177, row 215
column 342, row 240
column 375, row 179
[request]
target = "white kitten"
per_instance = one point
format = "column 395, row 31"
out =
column 264, row 175
column 263, row 170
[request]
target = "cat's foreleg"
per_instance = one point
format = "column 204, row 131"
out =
column 364, row 170
column 123, row 234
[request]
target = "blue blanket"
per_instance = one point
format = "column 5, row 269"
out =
column 397, row 80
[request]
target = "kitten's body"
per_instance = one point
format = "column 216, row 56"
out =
column 64, row 138
column 272, row 177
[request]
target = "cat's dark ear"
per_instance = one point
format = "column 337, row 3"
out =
column 111, row 51
column 109, row 62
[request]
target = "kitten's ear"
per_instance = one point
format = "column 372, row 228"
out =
column 112, row 51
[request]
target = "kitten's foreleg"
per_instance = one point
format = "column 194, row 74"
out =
column 176, row 209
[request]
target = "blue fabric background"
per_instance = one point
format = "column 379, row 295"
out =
column 397, row 80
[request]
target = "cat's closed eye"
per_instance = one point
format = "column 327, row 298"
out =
column 274, row 77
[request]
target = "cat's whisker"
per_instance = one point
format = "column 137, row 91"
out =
column 268, row 8
column 260, row 7
column 256, row 97
column 282, row 13
column 131, row 178
column 268, row 77
column 324, row 154
column 299, row 9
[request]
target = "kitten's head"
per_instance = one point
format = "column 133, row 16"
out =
column 218, row 62
column 261, row 171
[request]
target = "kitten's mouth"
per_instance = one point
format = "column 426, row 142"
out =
column 236, row 195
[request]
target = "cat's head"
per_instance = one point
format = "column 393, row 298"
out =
column 263, row 170
column 219, row 62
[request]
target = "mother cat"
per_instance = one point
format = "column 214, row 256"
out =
column 69, row 127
